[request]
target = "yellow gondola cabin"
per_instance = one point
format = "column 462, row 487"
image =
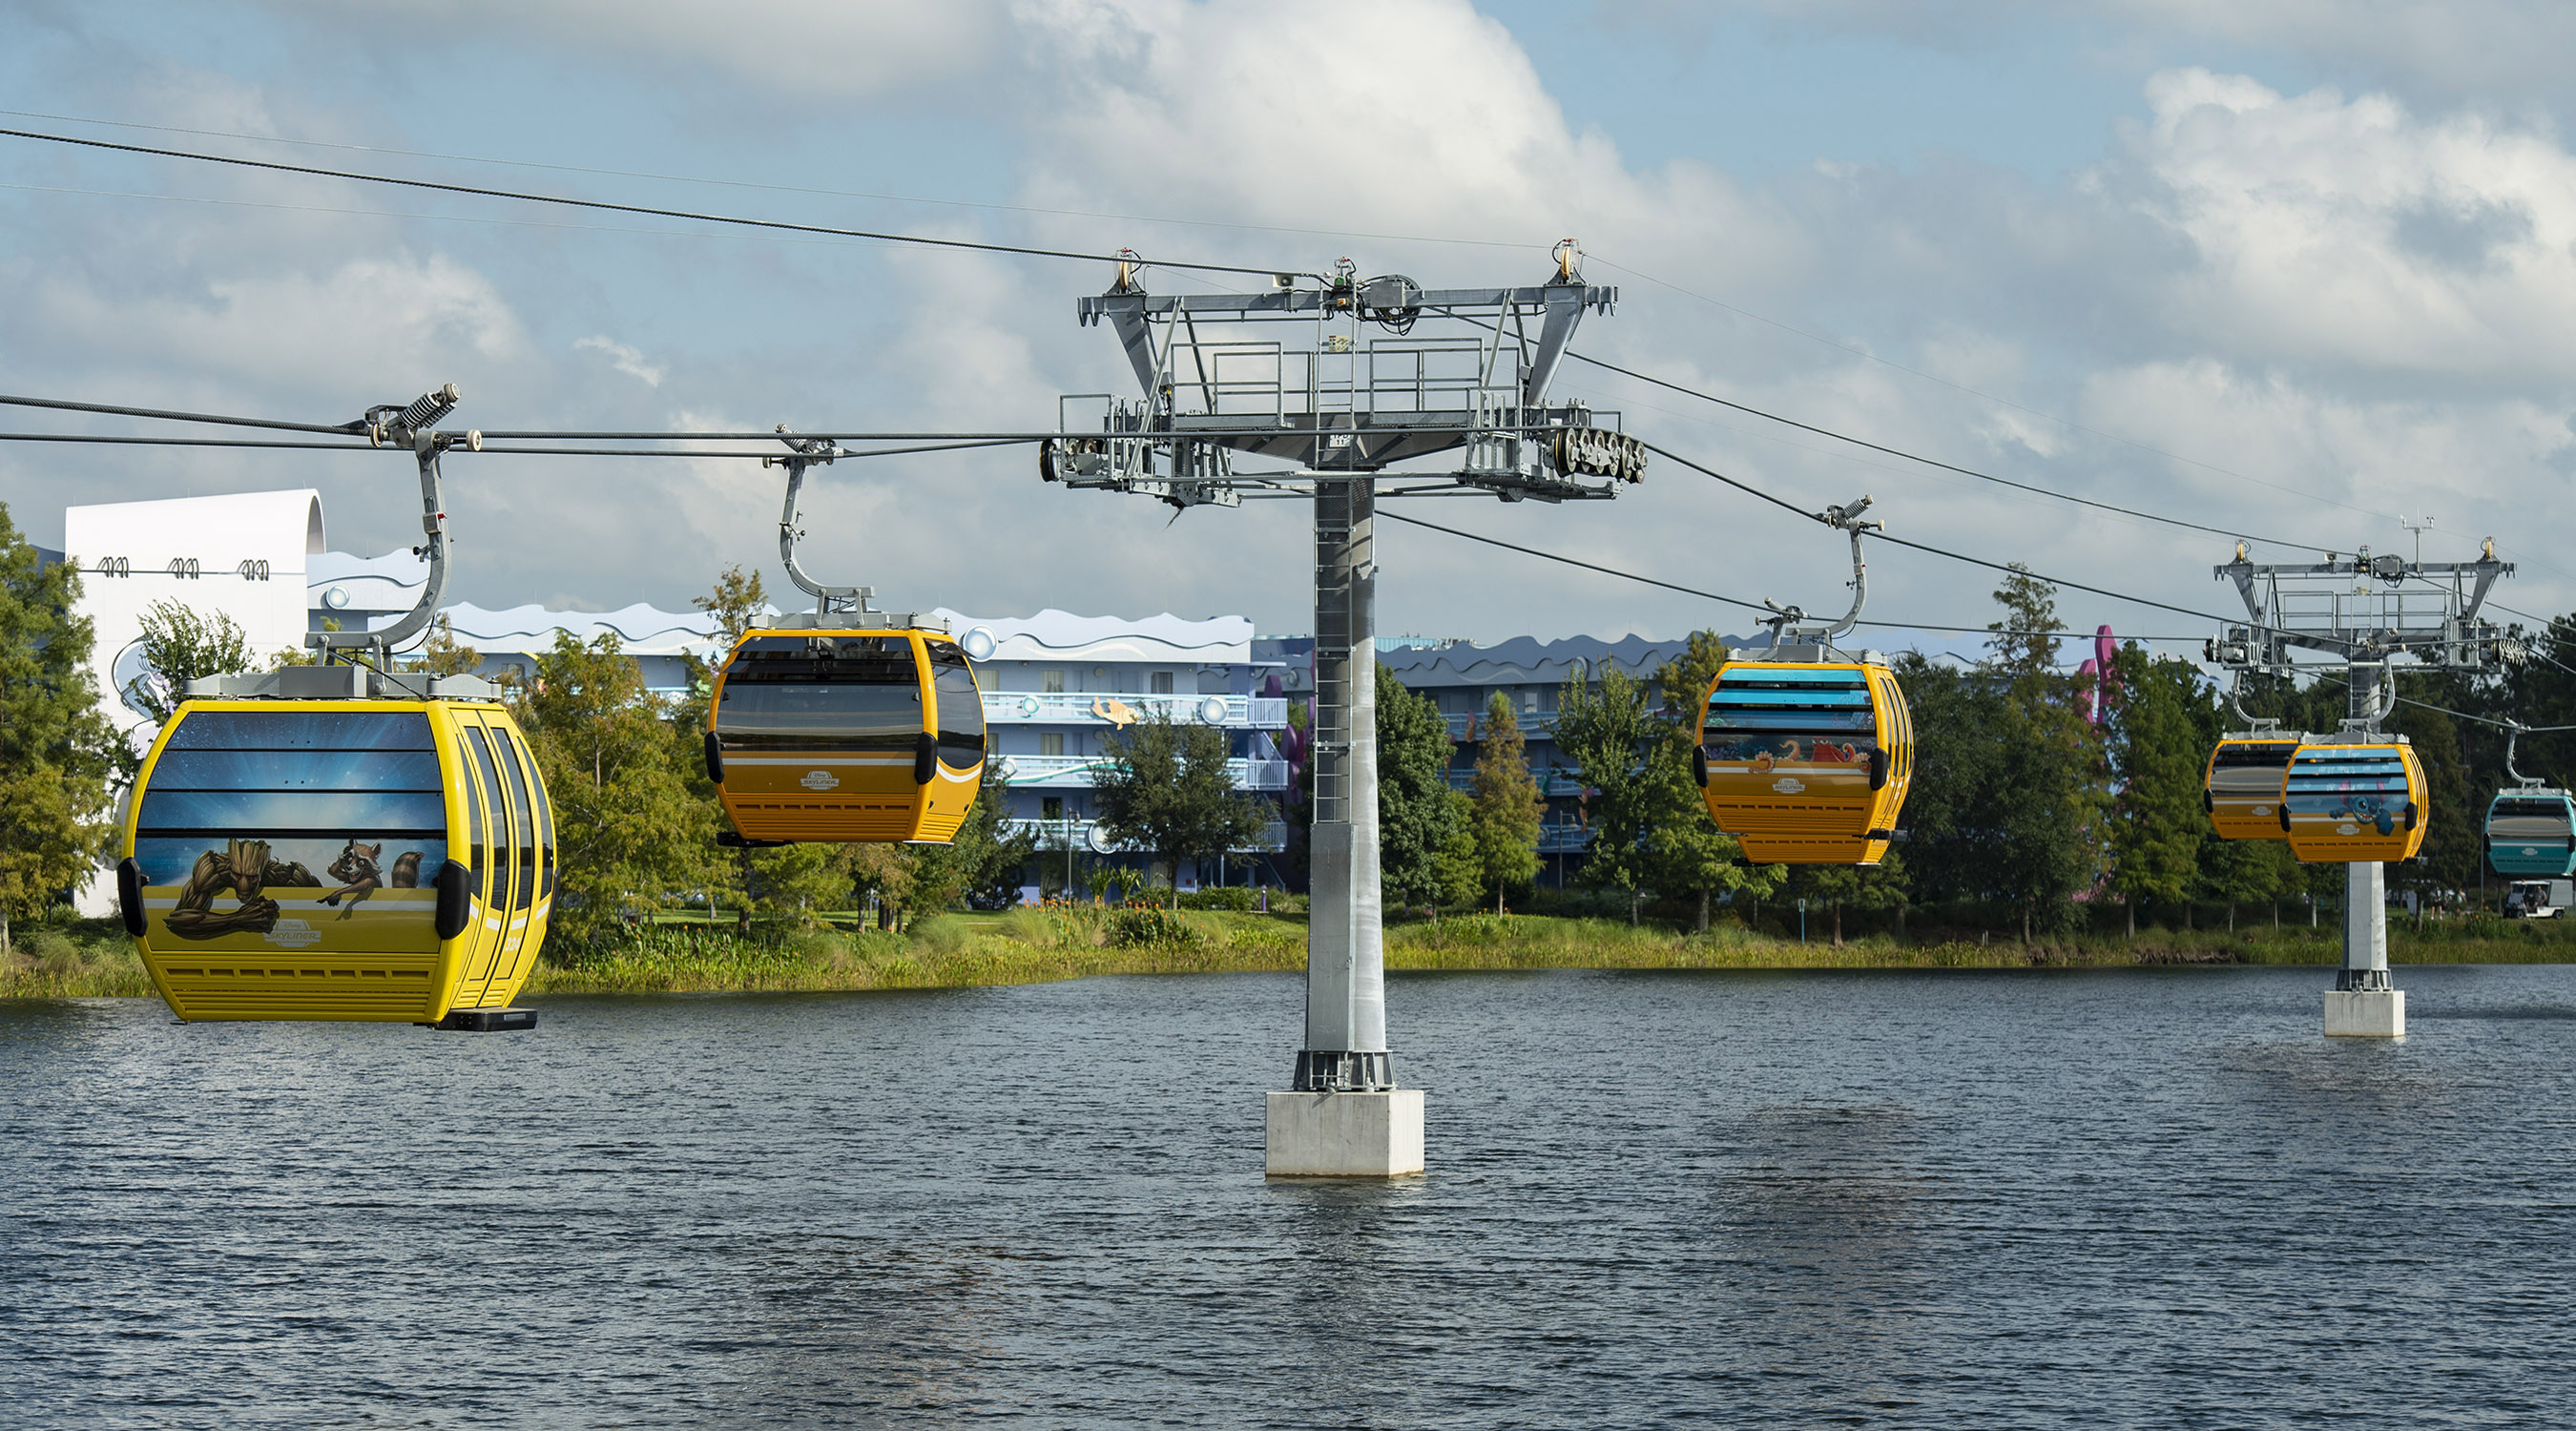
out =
column 350, row 858
column 1806, row 762
column 851, row 735
column 2353, row 802
column 2241, row 789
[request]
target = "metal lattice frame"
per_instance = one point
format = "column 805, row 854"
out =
column 2373, row 615
column 1342, row 379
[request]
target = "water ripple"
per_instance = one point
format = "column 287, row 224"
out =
column 2146, row 1198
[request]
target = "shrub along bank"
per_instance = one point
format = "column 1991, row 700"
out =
column 93, row 959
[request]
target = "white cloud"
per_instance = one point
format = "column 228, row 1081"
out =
column 626, row 359
column 2348, row 233
column 396, row 316
column 822, row 48
column 2337, row 293
column 2471, row 52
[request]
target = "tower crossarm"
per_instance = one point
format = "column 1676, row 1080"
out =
column 1345, row 374
column 2363, row 608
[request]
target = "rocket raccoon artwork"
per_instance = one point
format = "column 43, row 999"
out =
column 361, row 876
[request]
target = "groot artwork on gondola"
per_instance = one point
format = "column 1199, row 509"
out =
column 244, row 868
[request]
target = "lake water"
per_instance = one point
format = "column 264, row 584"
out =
column 1939, row 1199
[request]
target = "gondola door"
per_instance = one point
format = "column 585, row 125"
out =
column 484, row 929
column 505, row 918
column 542, row 905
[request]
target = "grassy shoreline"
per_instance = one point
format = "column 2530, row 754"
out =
column 1037, row 946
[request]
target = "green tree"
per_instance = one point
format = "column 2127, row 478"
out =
column 180, row 646
column 1506, row 806
column 1685, row 678
column 57, row 752
column 1425, row 830
column 737, row 603
column 2455, row 835
column 630, row 834
column 1164, row 787
column 982, row 863
column 1603, row 730
column 1864, row 889
column 1684, row 851
column 1958, row 765
column 2239, row 872
column 443, row 655
column 2049, row 798
column 2158, row 756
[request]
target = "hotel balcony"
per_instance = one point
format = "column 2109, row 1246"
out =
column 1060, row 772
column 1086, row 835
column 1095, row 708
column 1560, row 783
column 1535, row 725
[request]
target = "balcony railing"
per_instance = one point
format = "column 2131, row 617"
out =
column 1074, row 771
column 1535, row 725
column 1563, row 839
column 1094, row 708
column 1085, row 836
column 1550, row 782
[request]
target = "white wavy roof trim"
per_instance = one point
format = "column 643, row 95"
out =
column 1526, row 659
column 641, row 630
column 386, row 583
column 1054, row 635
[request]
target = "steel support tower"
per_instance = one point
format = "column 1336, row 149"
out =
column 1338, row 378
column 2373, row 616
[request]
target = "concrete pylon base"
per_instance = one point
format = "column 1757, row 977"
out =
column 2365, row 1013
column 1346, row 1135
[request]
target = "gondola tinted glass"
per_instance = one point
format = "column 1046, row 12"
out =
column 961, row 708
column 2532, row 833
column 1777, row 716
column 311, row 789
column 823, row 693
column 1805, row 763
column 2344, row 803
column 2242, row 788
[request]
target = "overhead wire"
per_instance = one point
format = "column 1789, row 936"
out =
column 2069, row 424
column 1787, row 505
column 1915, row 457
column 1899, row 452
column 1643, row 579
column 647, row 210
column 815, row 191
column 1034, row 251
column 1682, row 289
column 281, row 444
column 1040, row 252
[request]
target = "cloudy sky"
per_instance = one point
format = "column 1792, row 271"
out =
column 2301, row 269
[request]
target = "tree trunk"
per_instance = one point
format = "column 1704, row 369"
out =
column 5, row 952
column 1838, row 924
column 1633, row 899
column 2133, row 916
column 1703, row 912
column 2025, row 924
column 2231, row 916
column 2186, row 915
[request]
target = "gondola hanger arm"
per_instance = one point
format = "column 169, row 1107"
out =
column 410, row 426
column 804, row 452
